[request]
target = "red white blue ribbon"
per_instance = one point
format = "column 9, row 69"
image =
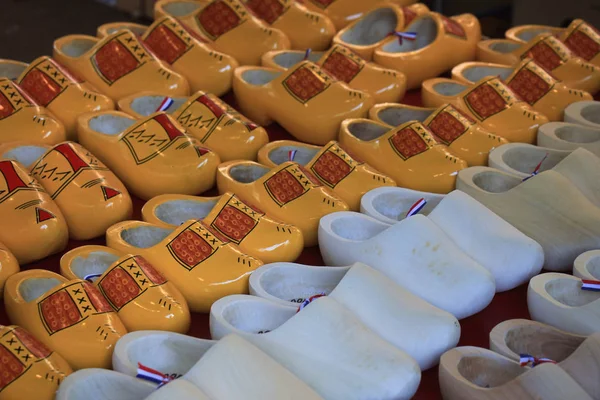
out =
column 537, row 168
column 152, row 375
column 307, row 53
column 310, row 300
column 165, row 104
column 526, row 359
column 292, row 155
column 89, row 277
column 593, row 286
column 404, row 35
column 418, row 206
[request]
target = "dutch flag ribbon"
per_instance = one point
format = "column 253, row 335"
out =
column 526, row 359
column 593, row 286
column 418, row 206
column 152, row 375
column 165, row 104
column 307, row 53
column 292, row 155
column 310, row 300
column 90, row 277
column 404, row 35
column 537, row 168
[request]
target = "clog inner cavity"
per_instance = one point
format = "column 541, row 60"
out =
column 495, row 182
column 367, row 130
column 302, row 157
column 527, row 35
column 396, row 116
column 568, row 291
column 12, row 70
column 426, row 29
column 135, row 28
column 357, row 228
column 449, row 88
column 180, row 8
column 176, row 212
column 593, row 266
column 395, row 206
column 372, row 28
column 488, row 372
column 257, row 316
column 526, row 158
column 111, row 124
column 290, row 283
column 26, row 155
column 146, row 105
column 504, row 46
column 144, row 237
column 289, row 59
column 259, row 77
column 477, row 73
column 33, row 288
column 78, row 47
column 577, row 134
column 247, row 173
column 591, row 113
column 95, row 262
column 542, row 341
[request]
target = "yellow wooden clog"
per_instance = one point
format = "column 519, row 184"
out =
column 8, row 266
column 151, row 156
column 141, row 296
column 583, row 40
column 524, row 33
column 206, row 117
column 199, row 261
column 255, row 232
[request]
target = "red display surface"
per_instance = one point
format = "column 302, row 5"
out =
column 475, row 329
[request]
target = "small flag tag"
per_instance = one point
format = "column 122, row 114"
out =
column 91, row 277
column 310, row 300
column 404, row 35
column 526, row 359
column 307, row 53
column 537, row 168
column 165, row 104
column 418, row 206
column 593, row 286
column 292, row 155
column 152, row 375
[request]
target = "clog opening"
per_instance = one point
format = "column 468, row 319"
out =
column 395, row 206
column 367, row 131
column 180, row 8
column 568, row 291
column 247, row 173
column 11, row 70
column 111, row 124
column 135, row 28
column 525, row 159
column 255, row 316
column 303, row 154
column 176, row 212
column 396, row 116
column 259, row 77
column 144, row 237
column 289, row 59
column 32, row 288
column 578, row 134
column 527, row 35
column 98, row 384
column 146, row 105
column 426, row 29
column 591, row 112
column 449, row 88
column 495, row 182
column 357, row 228
column 372, row 28
column 96, row 262
column 541, row 341
column 504, row 46
column 78, row 47
column 593, row 266
column 476, row 73
column 26, row 155
column 290, row 283
column 488, row 372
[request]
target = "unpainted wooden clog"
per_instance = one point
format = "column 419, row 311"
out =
column 584, row 113
column 569, row 136
column 587, row 265
column 98, row 384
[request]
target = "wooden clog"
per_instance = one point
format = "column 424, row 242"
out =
column 141, row 296
column 464, row 138
column 584, row 113
column 255, row 232
column 98, row 384
column 305, row 100
column 472, row 373
column 53, row 87
column 33, row 226
column 70, row 317
column 411, row 324
column 550, row 53
column 369, row 31
column 206, row 117
column 587, row 265
column 171, row 43
column 525, row 33
column 289, row 193
column 441, row 43
column 8, row 266
column 227, row 26
column 314, row 343
column 558, row 300
column 22, row 119
column 89, row 195
column 569, row 136
column 152, row 156
column 408, row 153
column 390, row 205
column 571, row 222
column 488, row 102
column 415, row 253
column 583, row 40
column 382, row 84
column 117, row 65
column 191, row 257
column 529, row 81
column 331, row 165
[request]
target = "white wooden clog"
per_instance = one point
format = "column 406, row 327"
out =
column 547, row 207
column 587, row 265
column 323, row 344
column 558, row 300
column 568, row 136
column 411, row 324
column 585, row 113
column 415, row 253
column 510, row 256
